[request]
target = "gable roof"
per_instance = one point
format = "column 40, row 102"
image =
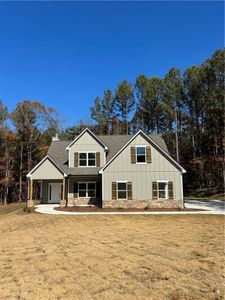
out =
column 92, row 134
column 57, row 151
column 116, row 142
column 42, row 161
column 156, row 145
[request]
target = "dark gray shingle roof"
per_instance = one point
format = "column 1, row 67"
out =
column 57, row 151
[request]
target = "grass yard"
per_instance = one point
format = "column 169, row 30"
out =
column 111, row 257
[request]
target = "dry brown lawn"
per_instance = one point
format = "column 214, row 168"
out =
column 111, row 257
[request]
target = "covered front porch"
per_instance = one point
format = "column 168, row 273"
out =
column 68, row 191
column 47, row 191
column 49, row 184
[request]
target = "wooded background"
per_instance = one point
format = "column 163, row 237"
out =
column 187, row 109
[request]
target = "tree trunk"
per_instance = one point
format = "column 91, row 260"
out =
column 29, row 159
column 1, row 197
column 109, row 124
column 156, row 127
column 6, row 193
column 142, row 118
column 6, row 190
column 21, row 172
column 127, row 129
column 176, row 134
column 193, row 145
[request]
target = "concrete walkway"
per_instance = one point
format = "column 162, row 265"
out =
column 214, row 207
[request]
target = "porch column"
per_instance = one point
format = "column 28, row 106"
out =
column 63, row 202
column 30, row 202
column 64, row 184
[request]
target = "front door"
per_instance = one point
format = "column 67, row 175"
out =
column 54, row 195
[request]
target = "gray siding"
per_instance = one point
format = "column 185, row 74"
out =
column 86, row 143
column 141, row 175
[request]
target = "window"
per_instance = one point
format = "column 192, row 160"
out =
column 121, row 190
column 162, row 189
column 91, row 159
column 91, row 189
column 82, row 190
column 141, row 154
column 83, row 159
column 87, row 159
column 87, row 189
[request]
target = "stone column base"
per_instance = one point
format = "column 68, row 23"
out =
column 63, row 203
column 30, row 203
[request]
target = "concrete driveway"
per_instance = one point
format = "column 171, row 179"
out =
column 212, row 207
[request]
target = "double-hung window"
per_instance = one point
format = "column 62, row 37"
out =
column 121, row 190
column 162, row 189
column 87, row 159
column 87, row 189
column 141, row 154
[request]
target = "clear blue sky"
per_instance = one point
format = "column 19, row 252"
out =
column 66, row 53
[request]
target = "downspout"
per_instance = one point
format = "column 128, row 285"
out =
column 103, row 194
column 182, row 191
column 68, row 189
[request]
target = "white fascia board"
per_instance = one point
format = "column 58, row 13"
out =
column 151, row 140
column 92, row 134
column 46, row 157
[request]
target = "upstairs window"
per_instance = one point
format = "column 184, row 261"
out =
column 141, row 154
column 87, row 159
column 91, row 159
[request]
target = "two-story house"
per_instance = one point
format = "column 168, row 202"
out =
column 109, row 171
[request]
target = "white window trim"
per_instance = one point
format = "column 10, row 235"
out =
column 117, row 190
column 141, row 163
column 167, row 190
column 87, row 152
column 84, row 182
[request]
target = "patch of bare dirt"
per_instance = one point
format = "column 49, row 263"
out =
column 111, row 257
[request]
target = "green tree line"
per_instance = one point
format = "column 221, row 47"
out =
column 186, row 108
